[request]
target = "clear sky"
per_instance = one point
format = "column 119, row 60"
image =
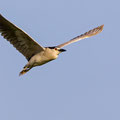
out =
column 83, row 83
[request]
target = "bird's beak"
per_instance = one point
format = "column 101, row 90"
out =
column 62, row 50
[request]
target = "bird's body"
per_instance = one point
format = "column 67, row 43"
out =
column 43, row 57
column 35, row 53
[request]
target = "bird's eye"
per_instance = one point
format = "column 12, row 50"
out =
column 55, row 48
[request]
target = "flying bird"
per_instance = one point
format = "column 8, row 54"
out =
column 36, row 54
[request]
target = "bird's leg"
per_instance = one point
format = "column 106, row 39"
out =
column 25, row 69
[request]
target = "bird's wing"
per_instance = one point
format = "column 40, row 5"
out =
column 20, row 40
column 83, row 36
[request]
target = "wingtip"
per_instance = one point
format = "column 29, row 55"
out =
column 101, row 27
column 94, row 31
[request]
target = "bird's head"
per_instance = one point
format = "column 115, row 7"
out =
column 58, row 50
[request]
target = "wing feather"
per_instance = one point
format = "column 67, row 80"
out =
column 20, row 40
column 83, row 36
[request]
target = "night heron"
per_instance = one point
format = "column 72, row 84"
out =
column 35, row 53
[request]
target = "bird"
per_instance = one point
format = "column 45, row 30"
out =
column 36, row 54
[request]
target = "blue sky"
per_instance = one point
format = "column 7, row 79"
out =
column 83, row 83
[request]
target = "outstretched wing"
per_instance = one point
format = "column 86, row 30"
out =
column 20, row 40
column 83, row 36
